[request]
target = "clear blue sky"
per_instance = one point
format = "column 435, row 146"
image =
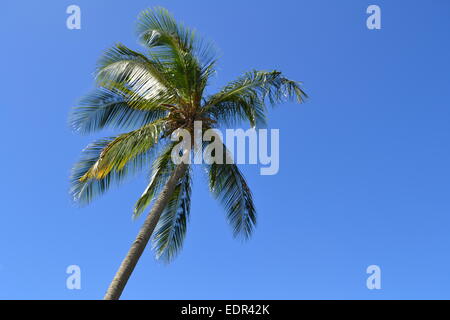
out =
column 364, row 166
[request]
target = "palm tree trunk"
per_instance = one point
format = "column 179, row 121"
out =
column 126, row 268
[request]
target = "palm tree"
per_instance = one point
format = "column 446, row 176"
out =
column 153, row 95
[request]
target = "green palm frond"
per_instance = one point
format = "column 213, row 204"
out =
column 110, row 108
column 161, row 169
column 157, row 27
column 171, row 228
column 146, row 78
column 190, row 61
column 239, row 107
column 228, row 185
column 125, row 147
column 83, row 191
column 244, row 99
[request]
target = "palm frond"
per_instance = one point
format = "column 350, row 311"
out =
column 83, row 191
column 244, row 99
column 190, row 61
column 135, row 76
column 171, row 228
column 111, row 108
column 161, row 170
column 228, row 185
column 157, row 27
column 145, row 78
column 125, row 147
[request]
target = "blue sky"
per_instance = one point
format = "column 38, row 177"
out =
column 364, row 165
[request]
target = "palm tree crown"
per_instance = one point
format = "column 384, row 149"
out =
column 153, row 94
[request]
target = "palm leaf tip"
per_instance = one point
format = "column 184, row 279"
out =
column 157, row 26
